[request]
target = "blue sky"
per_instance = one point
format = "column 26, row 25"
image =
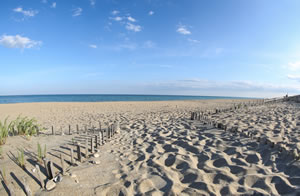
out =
column 192, row 47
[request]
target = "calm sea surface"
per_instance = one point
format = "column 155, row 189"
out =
column 100, row 98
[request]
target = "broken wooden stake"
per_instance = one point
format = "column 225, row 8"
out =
column 40, row 176
column 63, row 169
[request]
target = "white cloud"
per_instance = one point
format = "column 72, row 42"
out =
column 117, row 18
column 93, row 46
column 183, row 30
column 194, row 41
column 149, row 44
column 229, row 88
column 93, row 2
column 77, row 11
column 18, row 41
column 115, row 12
column 132, row 27
column 294, row 77
column 151, row 13
column 294, row 66
column 53, row 5
column 29, row 13
column 131, row 19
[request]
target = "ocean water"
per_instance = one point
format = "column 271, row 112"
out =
column 101, row 98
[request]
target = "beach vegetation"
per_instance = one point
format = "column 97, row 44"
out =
column 25, row 126
column 41, row 153
column 3, row 175
column 21, row 159
column 5, row 128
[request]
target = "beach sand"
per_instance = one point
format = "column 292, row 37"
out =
column 159, row 150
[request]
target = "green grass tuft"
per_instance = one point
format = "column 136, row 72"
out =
column 21, row 159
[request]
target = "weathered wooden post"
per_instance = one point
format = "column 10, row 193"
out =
column 72, row 155
column 107, row 133
column 63, row 169
column 53, row 133
column 51, row 170
column 77, row 128
column 26, row 187
column 79, row 153
column 40, row 176
column 70, row 130
column 85, row 129
column 86, row 149
column 46, row 167
column 92, row 145
column 96, row 141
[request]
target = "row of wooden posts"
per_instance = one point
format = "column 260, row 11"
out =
column 78, row 130
column 202, row 116
column 98, row 138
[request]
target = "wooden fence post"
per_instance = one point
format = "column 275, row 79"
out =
column 79, row 153
column 40, row 176
column 63, row 169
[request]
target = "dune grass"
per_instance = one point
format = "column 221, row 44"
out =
column 5, row 128
column 20, row 126
column 41, row 154
column 21, row 159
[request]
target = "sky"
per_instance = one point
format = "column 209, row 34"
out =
column 246, row 48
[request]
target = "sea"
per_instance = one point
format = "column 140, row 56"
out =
column 102, row 98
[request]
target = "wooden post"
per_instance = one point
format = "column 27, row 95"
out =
column 100, row 138
column 78, row 153
column 86, row 149
column 63, row 169
column 77, row 128
column 72, row 155
column 92, row 145
column 46, row 167
column 53, row 133
column 70, row 130
column 40, row 176
column 26, row 186
column 85, row 129
column 51, row 170
column 96, row 141
column 107, row 135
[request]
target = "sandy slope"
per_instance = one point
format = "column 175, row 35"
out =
column 160, row 151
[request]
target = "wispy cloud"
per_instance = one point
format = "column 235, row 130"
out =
column 229, row 88
column 117, row 18
column 151, row 13
column 294, row 77
column 183, row 30
column 194, row 41
column 53, row 5
column 93, row 2
column 28, row 13
column 18, row 41
column 93, row 46
column 293, row 66
column 149, row 44
column 115, row 12
column 77, row 11
column 133, row 27
column 131, row 19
